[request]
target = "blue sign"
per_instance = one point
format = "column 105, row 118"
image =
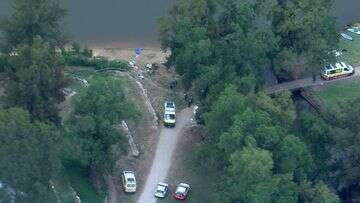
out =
column 138, row 51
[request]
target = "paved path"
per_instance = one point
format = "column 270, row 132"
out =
column 306, row 82
column 163, row 155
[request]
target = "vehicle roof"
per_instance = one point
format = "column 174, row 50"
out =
column 161, row 187
column 337, row 65
column 184, row 185
column 163, row 184
column 129, row 174
column 167, row 111
column 181, row 188
column 328, row 67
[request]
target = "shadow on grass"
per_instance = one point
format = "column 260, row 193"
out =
column 79, row 179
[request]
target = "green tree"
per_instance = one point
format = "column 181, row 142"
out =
column 222, row 113
column 345, row 149
column 250, row 178
column 105, row 98
column 324, row 195
column 32, row 19
column 218, row 120
column 185, row 32
column 28, row 155
column 316, row 133
column 254, row 127
column 37, row 81
column 96, row 112
column 307, row 33
column 281, row 108
column 4, row 63
column 292, row 157
column 287, row 190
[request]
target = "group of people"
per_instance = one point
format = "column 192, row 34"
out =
column 187, row 96
column 188, row 99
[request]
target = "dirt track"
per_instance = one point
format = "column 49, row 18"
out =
column 163, row 156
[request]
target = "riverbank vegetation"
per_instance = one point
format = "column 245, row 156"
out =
column 77, row 56
column 43, row 157
column 263, row 149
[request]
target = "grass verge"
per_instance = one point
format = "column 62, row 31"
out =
column 352, row 53
column 332, row 94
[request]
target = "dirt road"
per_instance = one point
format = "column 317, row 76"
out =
column 164, row 151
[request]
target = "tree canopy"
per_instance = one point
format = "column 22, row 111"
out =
column 221, row 49
column 33, row 19
column 28, row 155
column 36, row 81
column 94, row 125
column 307, row 34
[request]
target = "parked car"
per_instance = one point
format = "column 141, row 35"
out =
column 161, row 190
column 128, row 181
column 182, row 191
column 169, row 106
column 169, row 114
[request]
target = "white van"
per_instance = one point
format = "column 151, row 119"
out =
column 169, row 114
column 340, row 69
column 128, row 181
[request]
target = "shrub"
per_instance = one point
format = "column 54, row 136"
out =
column 99, row 63
column 3, row 63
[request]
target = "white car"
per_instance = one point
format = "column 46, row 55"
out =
column 169, row 106
column 161, row 190
column 129, row 181
column 169, row 114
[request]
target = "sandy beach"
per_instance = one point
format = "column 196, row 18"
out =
column 150, row 53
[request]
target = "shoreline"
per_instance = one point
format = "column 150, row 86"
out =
column 151, row 52
column 120, row 44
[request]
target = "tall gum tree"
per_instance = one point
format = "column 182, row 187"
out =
column 36, row 81
column 31, row 19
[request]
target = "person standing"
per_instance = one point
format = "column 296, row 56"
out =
column 189, row 100
column 314, row 77
column 186, row 96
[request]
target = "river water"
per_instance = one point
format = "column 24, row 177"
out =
column 135, row 21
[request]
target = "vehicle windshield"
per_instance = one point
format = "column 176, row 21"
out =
column 131, row 180
column 169, row 116
column 161, row 188
column 130, row 185
column 180, row 190
column 169, row 105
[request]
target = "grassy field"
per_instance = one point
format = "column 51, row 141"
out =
column 352, row 53
column 332, row 94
